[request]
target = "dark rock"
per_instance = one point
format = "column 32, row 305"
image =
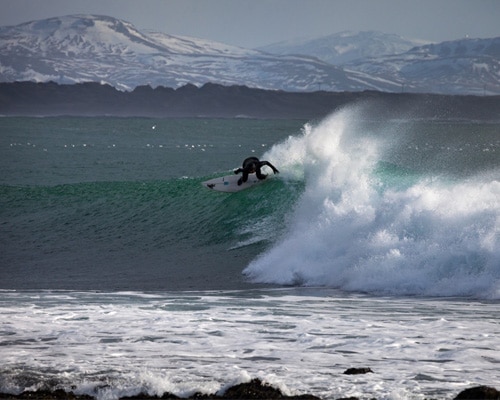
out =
column 58, row 394
column 255, row 389
column 479, row 393
column 357, row 371
column 144, row 396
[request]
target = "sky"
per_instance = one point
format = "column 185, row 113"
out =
column 255, row 23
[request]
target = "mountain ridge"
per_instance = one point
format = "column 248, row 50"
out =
column 80, row 48
column 83, row 48
column 346, row 46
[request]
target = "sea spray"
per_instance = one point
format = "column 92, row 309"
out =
column 354, row 229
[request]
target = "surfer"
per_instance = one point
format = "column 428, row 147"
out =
column 252, row 165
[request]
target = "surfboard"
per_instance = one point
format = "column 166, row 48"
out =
column 229, row 183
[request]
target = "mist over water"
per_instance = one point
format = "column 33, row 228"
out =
column 368, row 224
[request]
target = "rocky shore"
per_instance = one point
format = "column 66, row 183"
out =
column 253, row 390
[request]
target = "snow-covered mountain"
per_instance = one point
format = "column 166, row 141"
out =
column 83, row 48
column 344, row 47
column 104, row 49
column 466, row 66
column 390, row 62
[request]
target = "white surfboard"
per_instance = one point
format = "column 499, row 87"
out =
column 229, row 183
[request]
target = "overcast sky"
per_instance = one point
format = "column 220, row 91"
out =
column 254, row 23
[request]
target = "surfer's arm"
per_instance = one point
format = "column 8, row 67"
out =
column 237, row 171
column 275, row 170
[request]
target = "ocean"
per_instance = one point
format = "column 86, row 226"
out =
column 377, row 245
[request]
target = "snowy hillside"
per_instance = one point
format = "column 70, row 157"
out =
column 103, row 49
column 390, row 62
column 467, row 66
column 82, row 48
column 344, row 47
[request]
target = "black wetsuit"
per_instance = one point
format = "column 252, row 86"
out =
column 251, row 165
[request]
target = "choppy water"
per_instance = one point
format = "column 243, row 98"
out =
column 118, row 344
column 121, row 273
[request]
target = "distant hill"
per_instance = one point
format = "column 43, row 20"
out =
column 211, row 100
column 344, row 47
column 465, row 66
column 81, row 48
column 460, row 66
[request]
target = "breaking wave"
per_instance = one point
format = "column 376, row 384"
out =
column 362, row 224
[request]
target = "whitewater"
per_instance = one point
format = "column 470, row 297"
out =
column 430, row 235
column 376, row 246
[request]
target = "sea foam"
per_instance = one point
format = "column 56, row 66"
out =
column 352, row 230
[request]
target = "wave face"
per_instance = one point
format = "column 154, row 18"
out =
column 365, row 224
column 135, row 235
